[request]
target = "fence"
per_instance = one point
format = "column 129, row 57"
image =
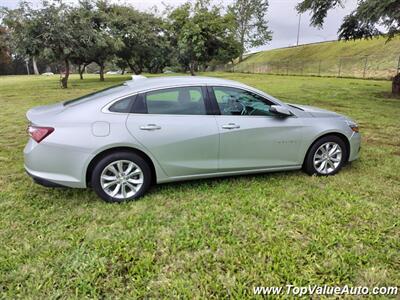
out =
column 378, row 67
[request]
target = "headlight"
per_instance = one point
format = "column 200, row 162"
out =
column 353, row 126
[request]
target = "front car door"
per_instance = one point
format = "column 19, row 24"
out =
column 177, row 128
column 251, row 137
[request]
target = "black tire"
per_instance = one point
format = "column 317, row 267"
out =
column 116, row 156
column 308, row 165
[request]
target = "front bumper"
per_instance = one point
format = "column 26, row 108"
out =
column 355, row 146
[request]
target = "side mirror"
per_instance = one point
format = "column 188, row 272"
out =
column 280, row 110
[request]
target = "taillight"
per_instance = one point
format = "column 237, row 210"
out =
column 39, row 133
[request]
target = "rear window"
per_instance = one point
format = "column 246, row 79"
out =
column 122, row 106
column 96, row 94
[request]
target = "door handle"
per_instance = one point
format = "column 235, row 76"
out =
column 230, row 126
column 150, row 127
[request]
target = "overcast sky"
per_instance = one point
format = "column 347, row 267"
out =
column 282, row 16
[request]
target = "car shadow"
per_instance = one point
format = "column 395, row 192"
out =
column 89, row 196
column 210, row 182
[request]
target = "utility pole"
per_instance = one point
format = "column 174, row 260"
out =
column 298, row 30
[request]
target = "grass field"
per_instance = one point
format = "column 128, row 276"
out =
column 375, row 58
column 208, row 238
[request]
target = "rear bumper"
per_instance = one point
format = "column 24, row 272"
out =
column 44, row 182
column 53, row 165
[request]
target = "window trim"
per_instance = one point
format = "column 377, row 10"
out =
column 104, row 109
column 210, row 101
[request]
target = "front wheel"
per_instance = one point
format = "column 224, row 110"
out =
column 326, row 156
column 121, row 176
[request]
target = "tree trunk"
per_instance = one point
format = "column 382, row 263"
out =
column 241, row 46
column 396, row 85
column 81, row 69
column 192, row 68
column 80, row 72
column 35, row 68
column 101, row 72
column 122, row 71
column 64, row 80
column 135, row 69
column 138, row 70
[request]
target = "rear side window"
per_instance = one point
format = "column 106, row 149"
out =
column 176, row 101
column 123, row 105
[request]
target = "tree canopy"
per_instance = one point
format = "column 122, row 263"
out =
column 366, row 21
column 200, row 34
column 192, row 36
column 251, row 25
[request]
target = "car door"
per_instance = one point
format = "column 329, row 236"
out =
column 176, row 127
column 251, row 137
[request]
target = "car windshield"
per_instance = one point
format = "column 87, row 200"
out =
column 95, row 94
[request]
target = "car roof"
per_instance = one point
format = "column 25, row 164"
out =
column 139, row 85
column 173, row 81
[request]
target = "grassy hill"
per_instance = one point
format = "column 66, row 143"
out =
column 374, row 58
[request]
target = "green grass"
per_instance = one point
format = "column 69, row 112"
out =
column 207, row 238
column 325, row 59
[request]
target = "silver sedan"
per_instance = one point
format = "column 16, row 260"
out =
column 121, row 140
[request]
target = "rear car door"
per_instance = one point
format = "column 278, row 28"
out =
column 251, row 137
column 177, row 128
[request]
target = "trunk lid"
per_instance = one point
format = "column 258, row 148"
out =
column 42, row 114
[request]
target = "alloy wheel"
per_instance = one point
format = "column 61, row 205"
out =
column 121, row 179
column 327, row 158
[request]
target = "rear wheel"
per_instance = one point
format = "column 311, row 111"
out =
column 326, row 156
column 121, row 176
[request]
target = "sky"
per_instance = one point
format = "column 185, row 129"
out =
column 282, row 16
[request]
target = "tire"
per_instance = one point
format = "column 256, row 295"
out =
column 133, row 182
column 324, row 150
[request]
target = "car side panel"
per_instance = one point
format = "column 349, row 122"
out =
column 259, row 142
column 183, row 145
column 64, row 156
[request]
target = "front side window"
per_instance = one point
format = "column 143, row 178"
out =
column 176, row 101
column 234, row 101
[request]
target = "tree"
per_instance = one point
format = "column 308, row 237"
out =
column 24, row 28
column 83, row 34
column 104, row 44
column 142, row 39
column 200, row 33
column 5, row 57
column 121, row 64
column 251, row 23
column 56, row 35
column 366, row 21
column 91, row 35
